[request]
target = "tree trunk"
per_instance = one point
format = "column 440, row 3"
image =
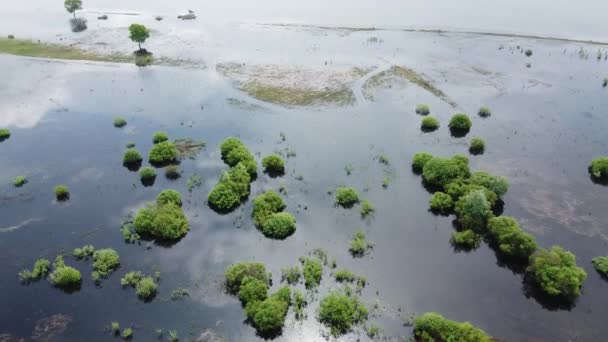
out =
column 139, row 46
column 74, row 14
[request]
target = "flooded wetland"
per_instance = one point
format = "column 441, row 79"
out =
column 274, row 173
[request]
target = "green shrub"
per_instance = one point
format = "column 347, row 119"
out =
column 423, row 109
column 441, row 202
column 556, row 273
column 279, row 226
column 497, row 184
column 466, row 239
column 40, row 270
column 228, row 145
column 299, row 303
column 4, row 134
column 340, row 312
column 169, row 196
column 120, row 122
column 367, row 208
column 484, row 112
column 473, row 210
column 432, row 327
column 131, row 157
column 115, row 327
column 359, row 245
column 240, row 154
column 61, row 192
column 232, row 187
column 599, row 263
column 419, row 160
column 528, row 52
column 147, row 173
column 462, row 187
column 313, row 272
column 105, row 261
column 235, row 274
column 460, row 121
column 19, row 181
column 599, row 168
column 131, row 278
column 146, row 288
column 160, row 137
column 269, row 316
column 127, row 334
column 511, row 240
column 291, row 275
column 441, row 171
column 429, row 124
column 344, row 275
column 346, row 197
column 265, row 205
column 84, row 252
column 274, row 164
column 166, row 222
column 253, row 290
column 163, row 153
column 477, row 146
column 64, row 276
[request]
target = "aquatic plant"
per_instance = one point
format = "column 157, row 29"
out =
column 115, row 328
column 84, row 252
column 166, row 222
column 146, row 288
column 162, row 153
column 291, row 275
column 599, row 168
column 460, row 122
column 61, row 192
column 429, row 124
column 600, row 264
column 120, row 122
column 64, row 276
column 473, row 210
column 159, row 137
column 339, row 312
column 279, row 226
column 265, row 205
column 40, row 270
column 169, row 196
column 344, row 275
column 147, row 175
column 4, row 134
column 235, row 274
column 477, row 146
column 484, row 112
column 131, row 157
column 419, row 160
column 131, row 278
column 432, row 327
column 19, row 181
column 423, row 109
column 105, row 261
column 373, row 331
column 274, row 164
column 138, row 33
column 127, row 333
column 441, row 202
column 312, row 271
column 299, row 303
column 465, row 239
column 367, row 209
column 556, row 272
column 528, row 52
column 346, row 197
column 441, row 171
column 358, row 246
column 232, row 187
column 511, row 240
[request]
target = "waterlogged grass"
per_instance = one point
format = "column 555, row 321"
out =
column 299, row 96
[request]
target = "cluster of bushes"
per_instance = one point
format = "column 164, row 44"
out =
column 269, row 218
column 339, row 312
column 145, row 286
column 556, row 272
column 163, row 219
column 105, row 261
column 432, row 327
column 273, row 164
column 233, row 186
column 346, row 197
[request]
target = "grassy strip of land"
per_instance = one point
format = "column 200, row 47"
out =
column 288, row 96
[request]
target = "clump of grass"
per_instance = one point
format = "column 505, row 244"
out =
column 599, row 168
column 147, row 175
column 433, row 327
column 291, row 275
column 423, row 109
column 601, row 265
column 179, row 293
column 164, row 219
column 4, row 134
column 62, row 192
column 419, row 160
column 429, row 124
column 145, row 287
column 160, row 137
column 40, row 270
column 172, row 172
column 163, row 153
column 477, row 146
column 274, row 164
column 344, row 275
column 312, row 271
column 484, row 112
column 359, row 245
column 127, row 333
column 528, row 52
column 346, row 197
column 120, row 122
column 84, row 252
column 63, row 276
column 339, row 312
column 19, row 181
column 460, row 123
column 556, row 272
column 131, row 157
column 299, row 303
column 373, row 331
column 105, row 261
column 466, row 239
column 367, row 209
column 441, row 202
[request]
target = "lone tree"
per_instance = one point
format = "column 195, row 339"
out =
column 137, row 32
column 72, row 5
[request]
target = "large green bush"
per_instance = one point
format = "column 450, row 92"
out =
column 63, row 276
column 599, row 168
column 274, row 164
column 164, row 219
column 556, row 272
column 235, row 274
column 169, row 196
column 511, row 240
column 105, row 261
column 131, row 156
column 346, row 197
column 279, row 226
column 419, row 160
column 441, row 202
column 432, row 327
column 441, row 171
column 4, row 134
column 339, row 312
column 473, row 210
column 269, row 316
column 265, row 205
column 234, row 152
column 163, row 153
column 232, row 187
column 460, row 122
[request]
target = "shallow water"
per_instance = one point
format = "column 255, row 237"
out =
column 548, row 122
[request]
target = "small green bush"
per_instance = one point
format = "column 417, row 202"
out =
column 163, row 153
column 115, row 327
column 497, row 184
column 105, row 261
column 599, row 168
column 477, row 146
column 339, row 312
column 556, row 273
column 419, row 160
column 528, row 52
column 131, row 156
column 19, row 181
column 279, row 226
column 84, row 252
column 429, row 124
column 64, row 276
column 4, row 134
column 131, row 278
column 169, row 196
column 228, row 145
column 346, row 197
column 460, row 122
column 40, row 270
column 146, row 288
column 291, row 275
column 269, row 316
column 160, row 137
column 61, row 192
column 367, row 208
column 164, row 220
column 299, row 303
column 274, row 164
column 359, row 245
column 344, row 275
column 441, row 171
column 473, row 210
column 265, row 205
column 432, row 327
column 441, row 202
column 120, row 122
column 235, row 274
column 600, row 264
column 147, row 173
column 511, row 240
column 423, row 109
column 484, row 112
column 127, row 334
column 466, row 239
column 313, row 272
column 231, row 189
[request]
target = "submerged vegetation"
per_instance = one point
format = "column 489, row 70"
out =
column 346, row 197
column 432, row 327
column 339, row 312
column 556, row 272
column 163, row 219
